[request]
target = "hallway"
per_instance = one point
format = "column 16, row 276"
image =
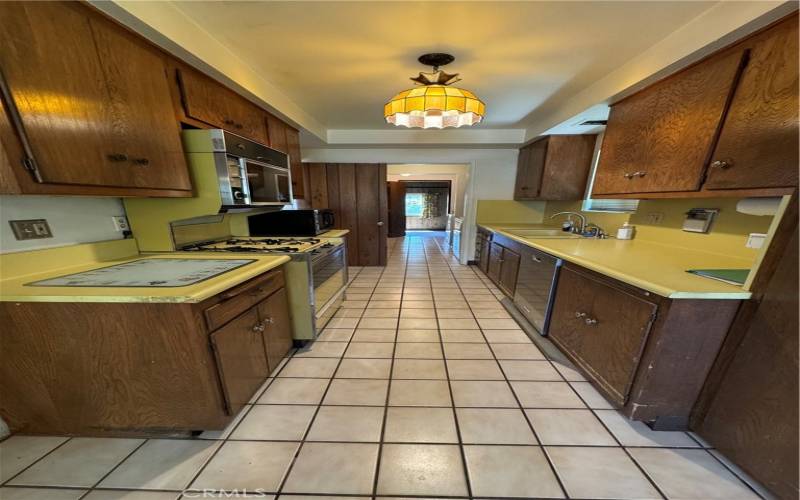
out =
column 422, row 385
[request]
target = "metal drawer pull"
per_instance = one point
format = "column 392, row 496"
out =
column 536, row 259
column 722, row 164
column 590, row 321
column 579, row 314
column 268, row 321
column 631, row 175
column 141, row 162
column 258, row 327
column 116, row 157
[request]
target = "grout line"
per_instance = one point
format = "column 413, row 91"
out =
column 5, row 483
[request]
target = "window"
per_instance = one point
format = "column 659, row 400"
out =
column 604, row 205
column 414, row 204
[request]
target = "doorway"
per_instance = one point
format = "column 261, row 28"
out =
column 427, row 205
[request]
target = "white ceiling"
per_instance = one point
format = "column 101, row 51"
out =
column 341, row 61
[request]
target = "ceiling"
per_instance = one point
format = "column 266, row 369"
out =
column 341, row 61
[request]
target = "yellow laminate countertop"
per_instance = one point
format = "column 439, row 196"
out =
column 14, row 290
column 655, row 267
column 334, row 233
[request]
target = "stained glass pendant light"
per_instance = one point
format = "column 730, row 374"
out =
column 434, row 103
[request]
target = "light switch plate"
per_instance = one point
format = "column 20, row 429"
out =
column 31, row 229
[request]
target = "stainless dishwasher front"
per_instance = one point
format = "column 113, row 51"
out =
column 538, row 273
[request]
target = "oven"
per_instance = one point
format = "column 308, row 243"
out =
column 328, row 275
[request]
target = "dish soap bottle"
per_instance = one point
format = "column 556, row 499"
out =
column 626, row 232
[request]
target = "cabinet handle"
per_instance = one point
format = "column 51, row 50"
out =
column 258, row 327
column 590, row 321
column 536, row 259
column 268, row 321
column 380, row 223
column 239, row 126
column 631, row 175
column 241, row 145
column 117, row 157
column 579, row 314
column 227, row 121
column 142, row 162
column 722, row 164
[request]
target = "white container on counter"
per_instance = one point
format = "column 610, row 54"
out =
column 626, row 232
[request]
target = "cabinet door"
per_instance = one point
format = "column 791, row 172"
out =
column 530, row 166
column 602, row 328
column 58, row 85
column 210, row 102
column 143, row 121
column 495, row 262
column 293, row 147
column 274, row 316
column 242, row 364
column 566, row 170
column 660, row 139
column 276, row 130
column 758, row 144
column 483, row 261
column 508, row 272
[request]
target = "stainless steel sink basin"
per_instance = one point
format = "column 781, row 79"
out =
column 541, row 233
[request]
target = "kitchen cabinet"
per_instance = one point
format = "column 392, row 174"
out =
column 503, row 266
column 554, row 168
column 725, row 126
column 105, row 371
column 648, row 355
column 757, row 147
column 93, row 102
column 241, row 358
column 287, row 139
column 210, row 102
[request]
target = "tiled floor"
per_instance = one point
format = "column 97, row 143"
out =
column 421, row 386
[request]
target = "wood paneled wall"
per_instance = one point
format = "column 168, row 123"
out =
column 356, row 192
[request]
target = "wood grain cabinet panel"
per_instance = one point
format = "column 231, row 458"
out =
column 276, row 130
column 660, row 139
column 495, row 262
column 604, row 329
column 273, row 314
column 554, row 168
column 210, row 102
column 296, row 162
column 241, row 359
column 508, row 272
column 758, row 144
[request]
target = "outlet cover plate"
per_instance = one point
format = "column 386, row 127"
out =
column 120, row 223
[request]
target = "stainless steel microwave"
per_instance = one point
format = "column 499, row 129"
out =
column 249, row 174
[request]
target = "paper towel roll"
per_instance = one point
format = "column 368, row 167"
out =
column 758, row 206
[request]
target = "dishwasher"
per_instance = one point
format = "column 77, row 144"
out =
column 536, row 281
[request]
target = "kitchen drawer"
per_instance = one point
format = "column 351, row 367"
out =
column 603, row 328
column 233, row 302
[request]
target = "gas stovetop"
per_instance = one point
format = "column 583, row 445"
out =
column 262, row 245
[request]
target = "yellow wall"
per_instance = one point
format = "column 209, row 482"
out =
column 510, row 211
column 728, row 233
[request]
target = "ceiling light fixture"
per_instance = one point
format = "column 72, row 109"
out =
column 435, row 104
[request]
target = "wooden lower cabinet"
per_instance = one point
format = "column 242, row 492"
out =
column 95, row 369
column 483, row 241
column 648, row 355
column 495, row 262
column 502, row 266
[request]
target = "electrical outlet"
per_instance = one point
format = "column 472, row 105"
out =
column 32, row 229
column 755, row 240
column 121, row 223
column 655, row 218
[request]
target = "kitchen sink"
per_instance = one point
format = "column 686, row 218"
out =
column 541, row 233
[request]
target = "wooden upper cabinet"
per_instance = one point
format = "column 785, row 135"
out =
column 210, row 102
column 660, row 139
column 554, row 168
column 276, row 130
column 758, row 144
column 144, row 129
column 93, row 102
column 295, row 157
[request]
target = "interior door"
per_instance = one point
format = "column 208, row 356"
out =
column 371, row 211
column 61, row 95
column 397, row 208
column 241, row 359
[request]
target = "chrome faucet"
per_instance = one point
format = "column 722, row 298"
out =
column 573, row 228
